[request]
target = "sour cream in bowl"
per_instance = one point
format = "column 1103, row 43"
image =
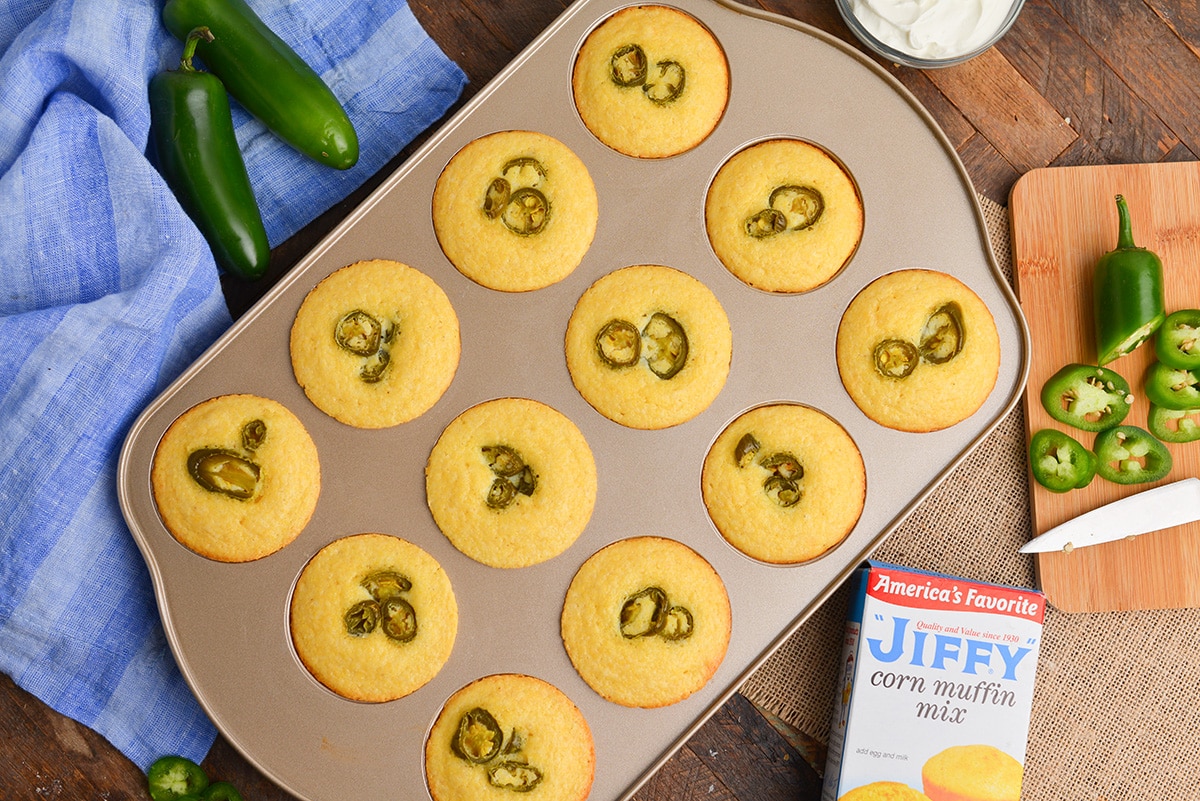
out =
column 929, row 33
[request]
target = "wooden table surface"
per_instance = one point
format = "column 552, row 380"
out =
column 1073, row 82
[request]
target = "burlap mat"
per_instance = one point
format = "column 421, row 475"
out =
column 1117, row 702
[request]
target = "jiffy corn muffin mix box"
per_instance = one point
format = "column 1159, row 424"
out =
column 935, row 688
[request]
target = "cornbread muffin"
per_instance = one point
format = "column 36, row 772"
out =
column 236, row 478
column 972, row 773
column 646, row 622
column 918, row 351
column 784, row 216
column 784, row 483
column 375, row 344
column 509, row 733
column 511, row 482
column 651, row 82
column 649, row 346
column 515, row 211
column 373, row 617
column 884, row 791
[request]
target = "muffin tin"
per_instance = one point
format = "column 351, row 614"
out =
column 227, row 624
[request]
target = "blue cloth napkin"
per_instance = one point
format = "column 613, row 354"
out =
column 107, row 292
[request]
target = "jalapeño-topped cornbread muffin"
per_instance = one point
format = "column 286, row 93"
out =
column 651, row 81
column 918, row 351
column 375, row 344
column 646, row 622
column 509, row 733
column 884, row 791
column 511, row 482
column 784, row 215
column 972, row 773
column 784, row 483
column 649, row 346
column 373, row 617
column 515, row 211
column 236, row 477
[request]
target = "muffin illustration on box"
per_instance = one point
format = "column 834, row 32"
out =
column 940, row 688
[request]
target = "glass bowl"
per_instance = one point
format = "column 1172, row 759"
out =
column 892, row 52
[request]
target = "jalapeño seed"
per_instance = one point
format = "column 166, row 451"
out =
column 223, row 471
column 362, row 618
column 668, row 345
column 496, row 198
column 943, row 336
column 358, row 332
column 745, row 450
column 666, row 83
column 679, row 624
column 385, row 584
column 526, row 212
column 254, row 434
column 398, row 619
column 766, row 223
column 802, row 205
column 895, row 358
column 479, row 737
column 628, row 64
column 512, row 775
column 644, row 613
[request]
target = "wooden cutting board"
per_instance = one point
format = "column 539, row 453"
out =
column 1063, row 219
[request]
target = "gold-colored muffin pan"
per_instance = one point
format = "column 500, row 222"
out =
column 228, row 624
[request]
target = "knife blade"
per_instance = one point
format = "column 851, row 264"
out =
column 1150, row 510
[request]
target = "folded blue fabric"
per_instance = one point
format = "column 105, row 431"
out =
column 107, row 292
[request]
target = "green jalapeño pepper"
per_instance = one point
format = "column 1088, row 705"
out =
column 171, row 778
column 1127, row 294
column 1178, row 341
column 1086, row 397
column 197, row 153
column 268, row 78
column 1174, row 425
column 1059, row 463
column 1130, row 455
column 1171, row 388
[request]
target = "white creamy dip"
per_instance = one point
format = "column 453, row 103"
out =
column 933, row 29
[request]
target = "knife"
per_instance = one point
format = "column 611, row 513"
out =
column 1150, row 510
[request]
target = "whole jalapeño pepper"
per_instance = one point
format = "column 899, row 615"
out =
column 192, row 134
column 1127, row 294
column 268, row 78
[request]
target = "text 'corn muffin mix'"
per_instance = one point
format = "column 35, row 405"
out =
column 935, row 689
